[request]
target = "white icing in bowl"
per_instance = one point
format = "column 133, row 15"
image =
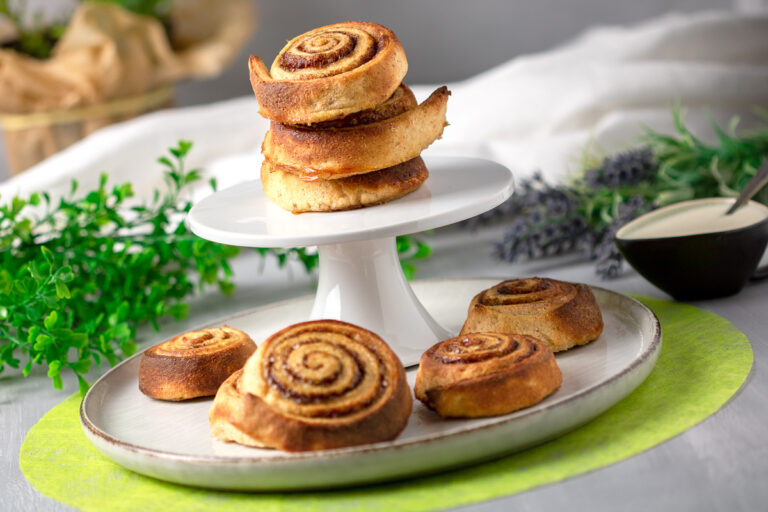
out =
column 693, row 218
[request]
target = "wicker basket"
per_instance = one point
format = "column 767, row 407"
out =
column 112, row 65
column 29, row 138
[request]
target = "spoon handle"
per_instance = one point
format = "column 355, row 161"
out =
column 753, row 187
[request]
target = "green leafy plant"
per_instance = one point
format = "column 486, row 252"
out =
column 37, row 39
column 78, row 280
column 34, row 38
column 690, row 168
column 78, row 276
column 411, row 250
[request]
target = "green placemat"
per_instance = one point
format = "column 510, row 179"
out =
column 703, row 362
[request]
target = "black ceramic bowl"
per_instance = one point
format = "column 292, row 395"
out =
column 698, row 265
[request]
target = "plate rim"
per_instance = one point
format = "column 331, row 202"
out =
column 291, row 457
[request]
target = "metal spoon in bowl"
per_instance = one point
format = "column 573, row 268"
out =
column 753, row 187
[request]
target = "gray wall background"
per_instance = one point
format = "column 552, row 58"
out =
column 446, row 40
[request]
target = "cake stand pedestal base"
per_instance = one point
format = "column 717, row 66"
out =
column 363, row 283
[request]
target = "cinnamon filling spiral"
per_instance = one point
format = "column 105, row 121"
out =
column 528, row 291
column 475, row 348
column 329, row 73
column 201, row 342
column 193, row 364
column 319, row 371
column 479, row 347
column 324, row 53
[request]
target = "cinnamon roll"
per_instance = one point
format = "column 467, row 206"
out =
column 338, row 152
column 486, row 374
column 313, row 386
column 297, row 195
column 193, row 364
column 561, row 314
column 329, row 72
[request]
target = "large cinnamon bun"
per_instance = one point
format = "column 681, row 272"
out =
column 193, row 364
column 329, row 72
column 559, row 313
column 313, row 386
column 337, row 151
column 297, row 195
column 486, row 374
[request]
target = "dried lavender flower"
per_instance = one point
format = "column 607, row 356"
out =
column 544, row 221
column 623, row 169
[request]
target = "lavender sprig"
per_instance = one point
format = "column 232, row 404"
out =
column 627, row 168
column 544, row 221
column 548, row 220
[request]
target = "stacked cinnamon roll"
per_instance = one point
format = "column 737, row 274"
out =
column 345, row 131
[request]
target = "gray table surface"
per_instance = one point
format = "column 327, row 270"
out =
column 720, row 464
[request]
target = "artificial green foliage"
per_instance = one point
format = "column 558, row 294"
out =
column 77, row 280
column 411, row 250
column 34, row 38
column 37, row 39
column 690, row 168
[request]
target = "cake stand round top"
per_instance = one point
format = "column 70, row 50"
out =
column 458, row 188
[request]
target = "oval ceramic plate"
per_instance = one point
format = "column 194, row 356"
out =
column 170, row 440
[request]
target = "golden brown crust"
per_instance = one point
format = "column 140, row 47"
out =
column 228, row 411
column 559, row 313
column 296, row 195
column 329, row 72
column 486, row 374
column 193, row 364
column 319, row 385
column 333, row 153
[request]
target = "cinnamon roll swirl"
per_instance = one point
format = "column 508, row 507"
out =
column 317, row 385
column 329, row 72
column 486, row 374
column 193, row 364
column 297, row 195
column 334, row 151
column 561, row 314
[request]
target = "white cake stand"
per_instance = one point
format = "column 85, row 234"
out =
column 360, row 279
